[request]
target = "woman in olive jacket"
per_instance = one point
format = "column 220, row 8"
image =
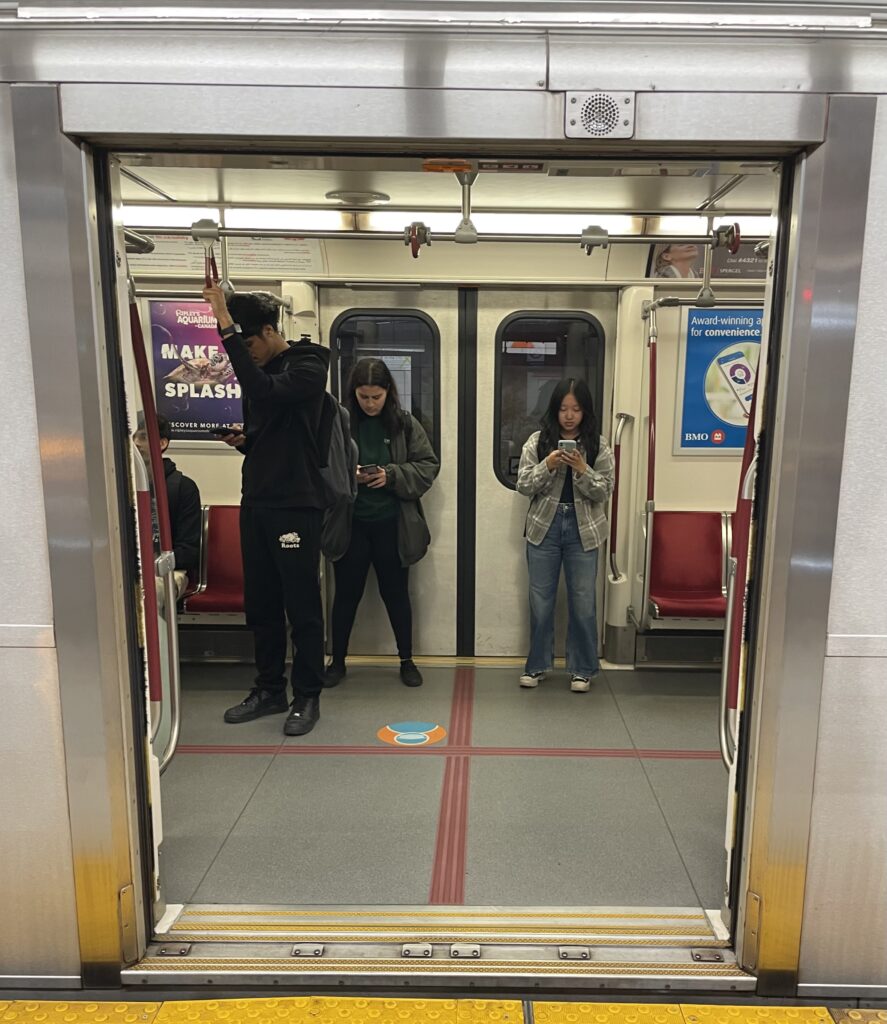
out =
column 385, row 527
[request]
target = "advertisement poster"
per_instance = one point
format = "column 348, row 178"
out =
column 717, row 372
column 684, row 262
column 194, row 384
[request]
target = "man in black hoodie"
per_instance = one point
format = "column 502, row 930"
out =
column 281, row 509
column 183, row 499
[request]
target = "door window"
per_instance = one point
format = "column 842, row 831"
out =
column 409, row 343
column 533, row 352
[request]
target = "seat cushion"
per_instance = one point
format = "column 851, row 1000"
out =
column 693, row 606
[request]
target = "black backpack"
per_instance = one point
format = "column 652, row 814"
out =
column 337, row 454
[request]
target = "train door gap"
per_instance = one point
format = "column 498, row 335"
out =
column 473, row 360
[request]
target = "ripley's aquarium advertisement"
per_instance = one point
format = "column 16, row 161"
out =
column 194, row 383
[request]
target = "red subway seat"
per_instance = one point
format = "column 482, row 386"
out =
column 687, row 560
column 221, row 567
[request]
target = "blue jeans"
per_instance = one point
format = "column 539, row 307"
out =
column 562, row 544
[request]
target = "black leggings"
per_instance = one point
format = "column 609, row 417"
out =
column 372, row 543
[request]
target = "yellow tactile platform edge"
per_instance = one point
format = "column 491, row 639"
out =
column 327, row 1010
column 56, row 1012
column 653, row 1013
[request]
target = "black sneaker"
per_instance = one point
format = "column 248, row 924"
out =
column 409, row 674
column 258, row 704
column 335, row 673
column 303, row 717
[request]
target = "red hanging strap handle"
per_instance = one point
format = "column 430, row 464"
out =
column 149, row 584
column 210, row 270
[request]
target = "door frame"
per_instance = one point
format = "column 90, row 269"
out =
column 803, row 466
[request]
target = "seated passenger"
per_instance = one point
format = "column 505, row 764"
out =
column 567, row 470
column 385, row 527
column 183, row 499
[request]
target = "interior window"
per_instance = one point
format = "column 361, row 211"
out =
column 533, row 352
column 409, row 342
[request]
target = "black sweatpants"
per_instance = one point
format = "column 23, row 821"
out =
column 372, row 543
column 281, row 576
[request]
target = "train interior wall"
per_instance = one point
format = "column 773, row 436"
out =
column 702, row 482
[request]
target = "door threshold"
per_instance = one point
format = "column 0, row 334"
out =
column 627, row 948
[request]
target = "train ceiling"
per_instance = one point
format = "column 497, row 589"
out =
column 513, row 184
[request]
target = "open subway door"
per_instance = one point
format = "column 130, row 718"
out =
column 157, row 596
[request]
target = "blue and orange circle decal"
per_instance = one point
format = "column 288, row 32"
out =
column 412, row 734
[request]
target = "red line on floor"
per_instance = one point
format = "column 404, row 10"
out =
column 448, row 872
column 451, row 751
column 462, row 708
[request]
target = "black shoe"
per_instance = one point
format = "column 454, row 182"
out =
column 303, row 717
column 258, row 704
column 335, row 673
column 409, row 674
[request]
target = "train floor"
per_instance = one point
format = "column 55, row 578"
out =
column 543, row 797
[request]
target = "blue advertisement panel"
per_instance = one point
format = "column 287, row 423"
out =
column 719, row 366
column 194, row 383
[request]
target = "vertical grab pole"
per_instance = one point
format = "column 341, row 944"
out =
column 652, row 336
column 622, row 418
column 166, row 562
column 727, row 741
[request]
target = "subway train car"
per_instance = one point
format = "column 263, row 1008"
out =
column 684, row 209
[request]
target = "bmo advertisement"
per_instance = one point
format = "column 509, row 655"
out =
column 718, row 368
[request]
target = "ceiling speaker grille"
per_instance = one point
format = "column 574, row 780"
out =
column 599, row 115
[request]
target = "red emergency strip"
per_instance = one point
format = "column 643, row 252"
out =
column 614, row 506
column 740, row 549
column 151, row 429
column 149, row 584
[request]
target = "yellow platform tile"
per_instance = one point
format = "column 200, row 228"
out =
column 755, row 1014
column 46, row 1012
column 860, row 1016
column 606, row 1013
column 490, row 1011
column 310, row 1010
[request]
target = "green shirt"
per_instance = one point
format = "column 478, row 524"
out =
column 375, row 450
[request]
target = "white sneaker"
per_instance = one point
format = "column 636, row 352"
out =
column 579, row 684
column 529, row 681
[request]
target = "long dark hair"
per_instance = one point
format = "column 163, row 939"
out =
column 373, row 373
column 589, row 432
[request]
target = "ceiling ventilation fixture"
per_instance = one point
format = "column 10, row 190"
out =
column 355, row 198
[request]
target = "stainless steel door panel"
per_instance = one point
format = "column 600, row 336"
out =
column 433, row 580
column 502, row 624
